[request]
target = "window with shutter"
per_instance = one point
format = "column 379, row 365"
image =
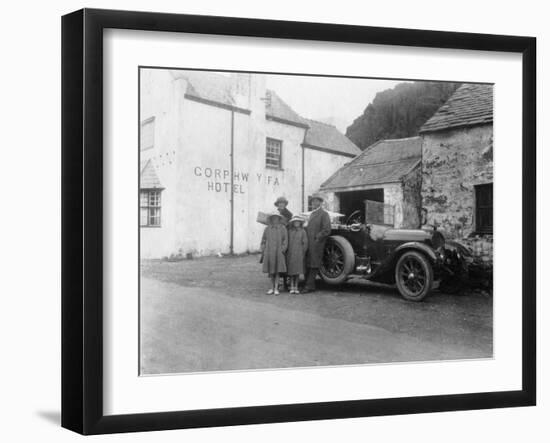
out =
column 484, row 208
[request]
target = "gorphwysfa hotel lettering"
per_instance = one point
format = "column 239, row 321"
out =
column 219, row 180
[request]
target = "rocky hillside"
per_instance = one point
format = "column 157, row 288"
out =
column 399, row 112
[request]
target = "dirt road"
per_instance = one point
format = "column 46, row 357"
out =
column 213, row 314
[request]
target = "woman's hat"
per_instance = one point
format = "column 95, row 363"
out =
column 297, row 218
column 281, row 200
column 318, row 196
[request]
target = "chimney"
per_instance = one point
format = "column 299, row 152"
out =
column 248, row 91
column 240, row 89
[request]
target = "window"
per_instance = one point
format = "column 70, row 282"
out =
column 484, row 208
column 147, row 134
column 149, row 211
column 273, row 153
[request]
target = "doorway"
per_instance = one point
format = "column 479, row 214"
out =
column 352, row 201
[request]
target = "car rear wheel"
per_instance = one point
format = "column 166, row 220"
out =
column 338, row 260
column 414, row 276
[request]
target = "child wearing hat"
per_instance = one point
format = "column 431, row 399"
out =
column 273, row 247
column 281, row 204
column 295, row 256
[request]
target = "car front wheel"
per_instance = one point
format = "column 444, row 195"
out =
column 338, row 260
column 414, row 276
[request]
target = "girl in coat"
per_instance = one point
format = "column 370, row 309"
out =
column 295, row 255
column 274, row 245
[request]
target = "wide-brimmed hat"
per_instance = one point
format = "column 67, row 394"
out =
column 297, row 218
column 275, row 214
column 318, row 196
column 281, row 200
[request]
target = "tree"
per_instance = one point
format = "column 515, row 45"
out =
column 399, row 112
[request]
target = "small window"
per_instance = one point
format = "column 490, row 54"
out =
column 149, row 208
column 147, row 134
column 484, row 208
column 273, row 153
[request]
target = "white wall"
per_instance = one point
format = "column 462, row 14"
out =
column 204, row 202
column 393, row 195
column 162, row 99
column 268, row 183
column 192, row 156
column 203, row 199
column 30, row 384
column 319, row 166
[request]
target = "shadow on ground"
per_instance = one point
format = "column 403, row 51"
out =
column 53, row 417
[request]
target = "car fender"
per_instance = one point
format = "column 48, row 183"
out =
column 421, row 247
column 458, row 247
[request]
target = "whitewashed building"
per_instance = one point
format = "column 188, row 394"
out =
column 217, row 148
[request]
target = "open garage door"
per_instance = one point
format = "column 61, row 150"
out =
column 352, row 201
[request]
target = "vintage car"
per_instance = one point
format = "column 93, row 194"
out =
column 412, row 259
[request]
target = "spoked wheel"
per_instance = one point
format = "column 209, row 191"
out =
column 333, row 260
column 338, row 260
column 414, row 276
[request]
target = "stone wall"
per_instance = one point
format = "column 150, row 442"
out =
column 482, row 250
column 393, row 195
column 411, row 184
column 453, row 162
column 332, row 201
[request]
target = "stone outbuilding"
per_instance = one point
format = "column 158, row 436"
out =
column 457, row 163
column 387, row 172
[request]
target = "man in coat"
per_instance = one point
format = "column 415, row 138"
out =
column 318, row 229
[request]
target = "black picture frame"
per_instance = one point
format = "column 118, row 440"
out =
column 82, row 218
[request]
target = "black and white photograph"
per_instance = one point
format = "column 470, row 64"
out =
column 289, row 220
column 275, row 222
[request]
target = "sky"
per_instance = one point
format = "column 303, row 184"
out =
column 340, row 100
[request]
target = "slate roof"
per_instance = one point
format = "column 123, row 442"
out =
column 207, row 86
column 327, row 137
column 148, row 176
column 385, row 161
column 214, row 87
column 471, row 104
column 276, row 108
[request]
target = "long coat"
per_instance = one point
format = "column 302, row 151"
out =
column 296, row 253
column 274, row 245
column 285, row 213
column 318, row 229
